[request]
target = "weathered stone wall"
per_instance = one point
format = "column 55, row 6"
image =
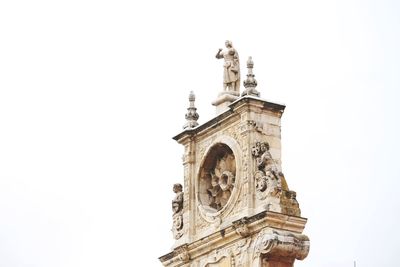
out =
column 237, row 207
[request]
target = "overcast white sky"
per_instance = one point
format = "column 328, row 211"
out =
column 91, row 93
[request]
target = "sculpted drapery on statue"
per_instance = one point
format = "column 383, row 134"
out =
column 231, row 67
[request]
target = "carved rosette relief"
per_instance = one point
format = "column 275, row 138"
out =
column 240, row 135
column 177, row 209
column 218, row 185
column 217, row 178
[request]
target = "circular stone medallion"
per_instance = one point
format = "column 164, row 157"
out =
column 217, row 178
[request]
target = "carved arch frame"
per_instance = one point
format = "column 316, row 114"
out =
column 219, row 215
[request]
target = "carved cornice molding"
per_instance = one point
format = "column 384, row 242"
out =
column 260, row 228
column 235, row 108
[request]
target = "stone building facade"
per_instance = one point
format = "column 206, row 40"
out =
column 235, row 208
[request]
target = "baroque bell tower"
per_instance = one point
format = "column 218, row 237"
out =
column 235, row 208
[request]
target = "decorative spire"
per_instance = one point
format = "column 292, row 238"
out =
column 250, row 83
column 191, row 116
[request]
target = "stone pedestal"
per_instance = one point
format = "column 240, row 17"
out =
column 237, row 210
column 224, row 99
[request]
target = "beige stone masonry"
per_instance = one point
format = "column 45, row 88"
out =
column 237, row 207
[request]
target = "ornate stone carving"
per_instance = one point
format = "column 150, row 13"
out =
column 177, row 202
column 201, row 223
column 270, row 183
column 203, row 146
column 220, row 257
column 231, row 67
column 281, row 244
column 183, row 254
column 241, row 137
column 237, row 133
column 241, row 253
column 191, row 116
column 235, row 208
column 234, row 255
column 232, row 132
column 223, row 261
column 177, row 209
column 263, row 157
column 217, row 178
column 246, row 126
column 241, row 227
column 250, row 83
column 267, row 184
column 268, row 179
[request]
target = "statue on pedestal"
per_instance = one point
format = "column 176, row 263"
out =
column 231, row 67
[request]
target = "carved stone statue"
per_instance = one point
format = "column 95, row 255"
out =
column 231, row 67
column 177, row 209
column 177, row 202
column 271, row 183
column 268, row 179
column 265, row 161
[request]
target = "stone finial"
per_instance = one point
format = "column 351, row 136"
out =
column 250, row 83
column 191, row 116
